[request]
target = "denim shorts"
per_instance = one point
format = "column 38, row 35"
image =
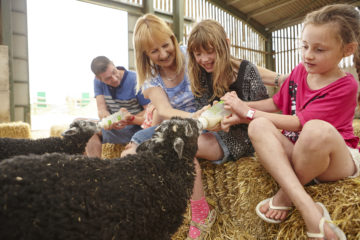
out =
column 143, row 135
column 225, row 149
column 121, row 136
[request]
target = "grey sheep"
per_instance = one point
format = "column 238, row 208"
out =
column 73, row 142
column 140, row 196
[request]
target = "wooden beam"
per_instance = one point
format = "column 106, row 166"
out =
column 148, row 6
column 298, row 18
column 235, row 12
column 134, row 9
column 270, row 7
column 178, row 19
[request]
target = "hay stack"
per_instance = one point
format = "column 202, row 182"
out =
column 110, row 150
column 237, row 187
column 356, row 126
column 15, row 130
column 57, row 130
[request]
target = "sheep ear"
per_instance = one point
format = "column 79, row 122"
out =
column 188, row 130
column 71, row 131
column 179, row 146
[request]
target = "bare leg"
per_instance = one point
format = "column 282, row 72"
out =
column 198, row 190
column 209, row 148
column 94, row 146
column 319, row 152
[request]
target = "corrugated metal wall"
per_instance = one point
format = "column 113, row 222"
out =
column 14, row 35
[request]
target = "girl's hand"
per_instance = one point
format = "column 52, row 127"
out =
column 233, row 103
column 228, row 121
column 215, row 128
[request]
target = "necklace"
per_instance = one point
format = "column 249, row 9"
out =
column 171, row 79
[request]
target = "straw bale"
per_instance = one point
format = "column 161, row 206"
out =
column 235, row 188
column 57, row 130
column 356, row 126
column 15, row 130
column 110, row 150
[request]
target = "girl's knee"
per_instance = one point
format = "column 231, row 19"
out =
column 257, row 126
column 317, row 131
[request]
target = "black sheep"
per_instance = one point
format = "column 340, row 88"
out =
column 73, row 142
column 141, row 196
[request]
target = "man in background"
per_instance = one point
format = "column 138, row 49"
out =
column 115, row 89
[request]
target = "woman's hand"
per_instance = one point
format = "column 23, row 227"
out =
column 199, row 112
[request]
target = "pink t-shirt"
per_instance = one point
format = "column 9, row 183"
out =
column 334, row 103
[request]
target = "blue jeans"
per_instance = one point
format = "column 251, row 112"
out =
column 121, row 136
column 143, row 135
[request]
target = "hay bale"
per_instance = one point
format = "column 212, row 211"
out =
column 15, row 130
column 236, row 188
column 356, row 126
column 57, row 130
column 109, row 150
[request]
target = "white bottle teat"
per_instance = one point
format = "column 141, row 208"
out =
column 204, row 122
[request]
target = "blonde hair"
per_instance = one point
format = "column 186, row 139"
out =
column 211, row 36
column 149, row 29
column 347, row 20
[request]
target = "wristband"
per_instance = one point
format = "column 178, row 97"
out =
column 276, row 80
column 250, row 114
column 132, row 118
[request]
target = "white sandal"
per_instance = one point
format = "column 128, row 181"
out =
column 326, row 218
column 271, row 206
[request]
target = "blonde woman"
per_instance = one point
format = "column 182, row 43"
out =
column 162, row 75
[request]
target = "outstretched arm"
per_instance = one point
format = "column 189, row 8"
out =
column 264, row 108
column 162, row 105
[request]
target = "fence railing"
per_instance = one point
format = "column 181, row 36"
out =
column 246, row 43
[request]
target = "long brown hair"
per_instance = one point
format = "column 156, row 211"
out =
column 149, row 29
column 211, row 36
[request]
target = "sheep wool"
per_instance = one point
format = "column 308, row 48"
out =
column 139, row 196
column 73, row 142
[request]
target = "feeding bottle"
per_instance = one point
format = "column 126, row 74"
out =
column 213, row 115
column 113, row 118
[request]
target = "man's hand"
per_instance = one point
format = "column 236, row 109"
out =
column 103, row 114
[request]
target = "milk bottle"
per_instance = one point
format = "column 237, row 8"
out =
column 113, row 118
column 213, row 115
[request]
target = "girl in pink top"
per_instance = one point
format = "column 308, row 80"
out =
column 318, row 103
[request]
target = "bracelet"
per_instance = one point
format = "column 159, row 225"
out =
column 250, row 114
column 132, row 118
column 277, row 79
